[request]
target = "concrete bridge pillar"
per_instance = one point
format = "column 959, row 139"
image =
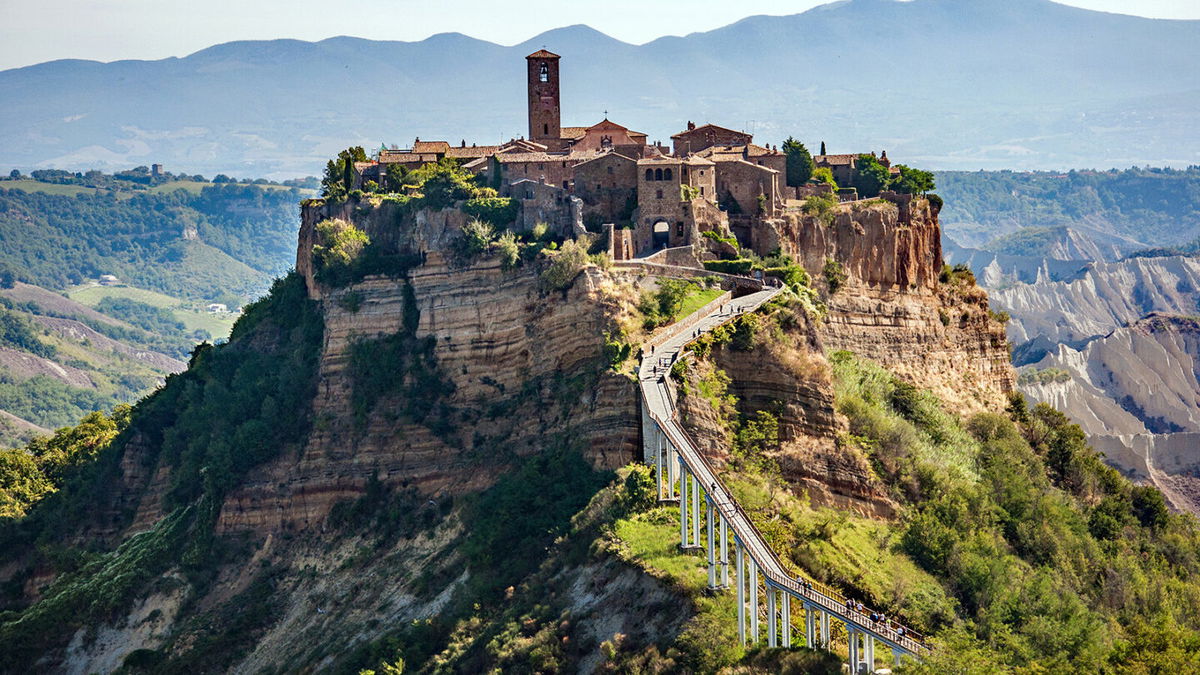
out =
column 683, row 504
column 869, row 651
column 696, row 510
column 724, row 553
column 852, row 634
column 787, row 619
column 741, row 592
column 753, row 601
column 810, row 626
column 712, row 544
column 825, row 629
column 772, row 634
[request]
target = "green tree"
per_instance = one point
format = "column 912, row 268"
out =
column 870, row 176
column 799, row 162
column 339, row 173
column 394, row 177
column 340, row 246
column 913, row 181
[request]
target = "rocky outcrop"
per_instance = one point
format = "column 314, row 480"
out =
column 1136, row 393
column 877, row 242
column 1103, row 298
column 516, row 368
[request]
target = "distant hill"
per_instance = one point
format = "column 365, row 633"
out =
column 60, row 360
column 940, row 83
column 1076, row 215
column 219, row 243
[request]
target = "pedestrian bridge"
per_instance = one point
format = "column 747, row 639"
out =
column 766, row 591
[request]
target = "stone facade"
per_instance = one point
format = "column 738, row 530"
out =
column 695, row 139
column 607, row 184
column 544, row 112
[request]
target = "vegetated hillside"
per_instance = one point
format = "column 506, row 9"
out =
column 406, row 452
column 1082, row 215
column 60, row 361
column 222, row 243
column 1032, row 84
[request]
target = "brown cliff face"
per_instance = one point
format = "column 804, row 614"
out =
column 894, row 307
column 788, row 377
column 518, row 369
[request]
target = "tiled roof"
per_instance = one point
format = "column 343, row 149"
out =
column 707, row 126
column 397, row 157
column 835, row 159
column 606, row 154
column 430, row 146
column 573, row 132
column 472, row 151
column 543, row 54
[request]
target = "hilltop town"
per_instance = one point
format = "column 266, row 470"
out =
column 709, row 179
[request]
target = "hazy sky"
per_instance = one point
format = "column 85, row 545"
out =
column 32, row 31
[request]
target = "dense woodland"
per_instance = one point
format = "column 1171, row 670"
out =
column 223, row 240
column 1158, row 207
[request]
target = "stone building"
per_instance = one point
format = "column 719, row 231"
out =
column 675, row 201
column 608, row 186
column 544, row 103
column 695, row 139
column 712, row 178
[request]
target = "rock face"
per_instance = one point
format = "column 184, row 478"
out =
column 1136, row 392
column 1104, row 297
column 893, row 308
column 517, row 367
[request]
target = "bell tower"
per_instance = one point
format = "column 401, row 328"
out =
column 544, row 116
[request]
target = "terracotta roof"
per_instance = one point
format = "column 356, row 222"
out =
column 543, row 54
column 835, row 159
column 708, row 126
column 430, row 146
column 398, row 157
column 573, row 132
column 472, row 151
column 758, row 151
column 477, row 163
column 606, row 154
column 517, row 157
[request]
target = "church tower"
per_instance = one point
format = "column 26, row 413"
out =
column 543, row 99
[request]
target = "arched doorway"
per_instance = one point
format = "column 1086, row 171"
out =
column 662, row 234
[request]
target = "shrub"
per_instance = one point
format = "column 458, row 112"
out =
column 509, row 250
column 824, row 207
column 477, row 237
column 740, row 266
column 494, row 210
column 835, row 275
column 340, row 246
column 564, row 266
column 824, row 175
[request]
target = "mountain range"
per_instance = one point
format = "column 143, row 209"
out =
column 938, row 83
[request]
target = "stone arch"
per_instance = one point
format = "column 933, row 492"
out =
column 662, row 234
column 649, row 174
column 658, row 174
column 667, row 174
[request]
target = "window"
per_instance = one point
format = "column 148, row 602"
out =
column 564, row 185
column 544, row 72
column 609, row 169
column 658, row 174
column 701, row 190
column 649, row 174
column 679, row 229
column 683, row 172
column 667, row 174
column 564, row 165
column 541, row 167
column 545, row 129
column 658, row 194
column 598, row 186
